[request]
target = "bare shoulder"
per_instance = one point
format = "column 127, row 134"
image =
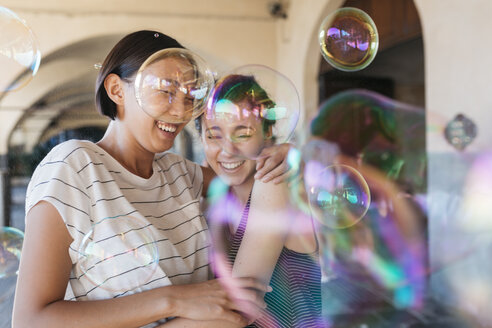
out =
column 269, row 194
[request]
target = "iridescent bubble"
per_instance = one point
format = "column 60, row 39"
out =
column 315, row 153
column 387, row 134
column 251, row 108
column 11, row 240
column 348, row 39
column 173, row 84
column 338, row 194
column 384, row 253
column 115, row 248
column 19, row 53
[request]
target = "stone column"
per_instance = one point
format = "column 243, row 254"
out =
column 4, row 191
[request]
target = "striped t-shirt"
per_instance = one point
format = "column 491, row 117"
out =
column 296, row 281
column 101, row 201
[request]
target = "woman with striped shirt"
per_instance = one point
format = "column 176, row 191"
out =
column 265, row 236
column 124, row 179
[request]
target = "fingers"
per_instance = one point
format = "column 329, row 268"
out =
column 235, row 317
column 291, row 176
column 268, row 151
column 271, row 169
column 233, row 295
column 237, row 310
column 270, row 172
column 249, row 310
column 260, row 162
column 227, row 310
column 250, row 296
column 271, row 158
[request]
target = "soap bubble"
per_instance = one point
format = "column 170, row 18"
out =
column 115, row 247
column 381, row 257
column 251, row 108
column 11, row 240
column 338, row 194
column 19, row 53
column 348, row 39
column 376, row 130
column 173, row 84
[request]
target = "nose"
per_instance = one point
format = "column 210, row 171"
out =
column 178, row 107
column 229, row 147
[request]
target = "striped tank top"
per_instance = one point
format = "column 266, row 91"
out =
column 296, row 281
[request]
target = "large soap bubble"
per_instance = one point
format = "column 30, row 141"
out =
column 19, row 53
column 11, row 240
column 382, row 257
column 379, row 131
column 251, row 108
column 173, row 84
column 115, row 247
column 348, row 39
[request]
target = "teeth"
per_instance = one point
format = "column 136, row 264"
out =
column 166, row 127
column 231, row 166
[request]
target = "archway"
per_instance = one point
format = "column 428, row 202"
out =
column 57, row 105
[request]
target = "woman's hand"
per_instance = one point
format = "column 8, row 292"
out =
column 272, row 164
column 222, row 299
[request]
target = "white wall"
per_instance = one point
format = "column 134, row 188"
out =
column 457, row 45
column 298, row 54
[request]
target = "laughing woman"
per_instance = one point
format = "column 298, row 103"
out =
column 265, row 236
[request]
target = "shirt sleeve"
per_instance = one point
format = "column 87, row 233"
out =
column 56, row 182
column 196, row 176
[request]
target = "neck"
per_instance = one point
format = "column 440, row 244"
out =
column 243, row 190
column 127, row 151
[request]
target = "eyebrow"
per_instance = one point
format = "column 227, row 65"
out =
column 240, row 127
column 215, row 128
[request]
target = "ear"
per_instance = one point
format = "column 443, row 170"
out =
column 268, row 132
column 114, row 88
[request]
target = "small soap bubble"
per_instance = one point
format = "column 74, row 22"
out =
column 348, row 39
column 338, row 194
column 118, row 247
column 11, row 240
column 19, row 52
column 173, row 84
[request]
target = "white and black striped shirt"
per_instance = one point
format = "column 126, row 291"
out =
column 88, row 186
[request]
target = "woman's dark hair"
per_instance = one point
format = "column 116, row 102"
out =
column 237, row 88
column 125, row 59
